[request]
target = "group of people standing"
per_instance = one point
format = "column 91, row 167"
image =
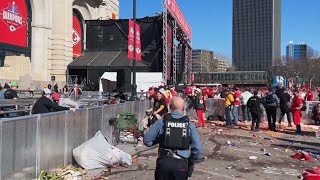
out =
column 253, row 105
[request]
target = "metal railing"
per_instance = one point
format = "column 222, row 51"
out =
column 29, row 144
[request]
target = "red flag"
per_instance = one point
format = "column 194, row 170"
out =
column 138, row 43
column 130, row 40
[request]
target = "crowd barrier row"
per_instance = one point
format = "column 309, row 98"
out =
column 29, row 144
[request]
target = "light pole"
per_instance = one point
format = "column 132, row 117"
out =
column 134, row 85
column 310, row 82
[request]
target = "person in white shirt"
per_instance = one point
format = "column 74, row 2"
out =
column 245, row 110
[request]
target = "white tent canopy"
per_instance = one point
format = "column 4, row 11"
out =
column 145, row 80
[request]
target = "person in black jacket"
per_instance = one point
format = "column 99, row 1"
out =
column 45, row 105
column 284, row 107
column 254, row 104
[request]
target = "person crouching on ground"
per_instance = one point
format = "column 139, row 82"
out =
column 296, row 106
column 179, row 149
column 45, row 105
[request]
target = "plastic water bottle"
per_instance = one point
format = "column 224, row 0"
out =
column 318, row 133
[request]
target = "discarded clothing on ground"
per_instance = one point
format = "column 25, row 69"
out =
column 311, row 174
column 98, row 153
column 302, row 156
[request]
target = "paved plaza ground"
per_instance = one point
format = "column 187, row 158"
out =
column 221, row 161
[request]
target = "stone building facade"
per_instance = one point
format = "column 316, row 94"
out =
column 52, row 39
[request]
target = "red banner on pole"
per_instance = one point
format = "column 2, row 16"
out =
column 138, row 43
column 77, row 37
column 130, row 40
column 176, row 13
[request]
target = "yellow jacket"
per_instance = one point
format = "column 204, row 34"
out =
column 229, row 100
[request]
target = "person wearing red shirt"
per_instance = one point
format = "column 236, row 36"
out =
column 309, row 96
column 151, row 93
column 200, row 108
column 236, row 105
column 296, row 111
column 173, row 92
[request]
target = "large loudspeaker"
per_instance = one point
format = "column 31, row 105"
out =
column 124, row 80
column 120, row 80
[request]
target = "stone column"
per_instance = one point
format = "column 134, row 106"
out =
column 61, row 46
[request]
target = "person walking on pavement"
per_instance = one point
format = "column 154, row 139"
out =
column 245, row 110
column 285, row 107
column 271, row 105
column 228, row 107
column 254, row 104
column 236, row 105
column 179, row 143
column 45, row 105
column 296, row 106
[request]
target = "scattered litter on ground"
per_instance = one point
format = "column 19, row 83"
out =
column 302, row 156
column 230, row 143
column 229, row 167
column 311, row 174
column 267, row 154
column 252, row 157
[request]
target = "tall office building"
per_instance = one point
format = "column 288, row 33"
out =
column 299, row 51
column 256, row 34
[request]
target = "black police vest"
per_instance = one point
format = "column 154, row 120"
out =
column 176, row 133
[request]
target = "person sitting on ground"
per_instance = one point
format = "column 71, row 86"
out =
column 316, row 114
column 45, row 105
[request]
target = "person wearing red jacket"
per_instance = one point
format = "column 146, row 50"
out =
column 309, row 96
column 296, row 111
column 236, row 105
column 173, row 92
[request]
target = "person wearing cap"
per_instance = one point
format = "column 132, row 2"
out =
column 11, row 93
column 45, row 105
column 64, row 102
column 272, row 102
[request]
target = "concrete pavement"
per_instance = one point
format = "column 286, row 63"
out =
column 221, row 161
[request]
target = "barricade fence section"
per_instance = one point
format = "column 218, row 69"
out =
column 30, row 144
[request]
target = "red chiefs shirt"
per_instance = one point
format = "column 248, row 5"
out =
column 296, row 102
column 310, row 96
column 173, row 93
column 236, row 97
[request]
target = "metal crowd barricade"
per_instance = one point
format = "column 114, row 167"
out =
column 29, row 144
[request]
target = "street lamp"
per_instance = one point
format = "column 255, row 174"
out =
column 134, row 85
column 310, row 82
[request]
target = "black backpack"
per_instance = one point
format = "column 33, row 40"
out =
column 270, row 99
column 176, row 133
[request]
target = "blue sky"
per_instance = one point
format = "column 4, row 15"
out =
column 211, row 21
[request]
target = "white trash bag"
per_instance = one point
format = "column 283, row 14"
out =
column 98, row 153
